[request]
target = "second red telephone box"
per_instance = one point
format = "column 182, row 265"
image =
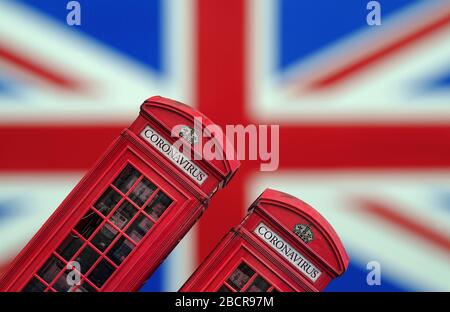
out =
column 129, row 211
column 282, row 245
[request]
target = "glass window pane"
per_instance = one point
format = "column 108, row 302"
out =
column 240, row 276
column 86, row 287
column 224, row 288
column 142, row 192
column 126, row 179
column 104, row 237
column 87, row 258
column 107, row 201
column 258, row 285
column 50, row 269
column 88, row 224
column 139, row 228
column 101, row 273
column 123, row 215
column 69, row 246
column 34, row 286
column 61, row 283
column 158, row 205
column 120, row 250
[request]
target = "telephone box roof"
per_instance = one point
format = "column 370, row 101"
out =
column 169, row 113
column 292, row 212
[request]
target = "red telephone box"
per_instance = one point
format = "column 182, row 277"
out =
column 282, row 245
column 128, row 212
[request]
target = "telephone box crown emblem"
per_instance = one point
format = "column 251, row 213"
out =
column 189, row 134
column 304, row 232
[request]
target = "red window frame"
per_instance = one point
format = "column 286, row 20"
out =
column 249, row 282
column 245, row 255
column 128, row 157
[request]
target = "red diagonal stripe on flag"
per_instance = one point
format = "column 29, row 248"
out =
column 341, row 74
column 39, row 70
column 405, row 223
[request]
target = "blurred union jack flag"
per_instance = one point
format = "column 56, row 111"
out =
column 364, row 114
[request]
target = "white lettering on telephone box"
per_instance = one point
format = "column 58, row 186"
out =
column 172, row 153
column 287, row 251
